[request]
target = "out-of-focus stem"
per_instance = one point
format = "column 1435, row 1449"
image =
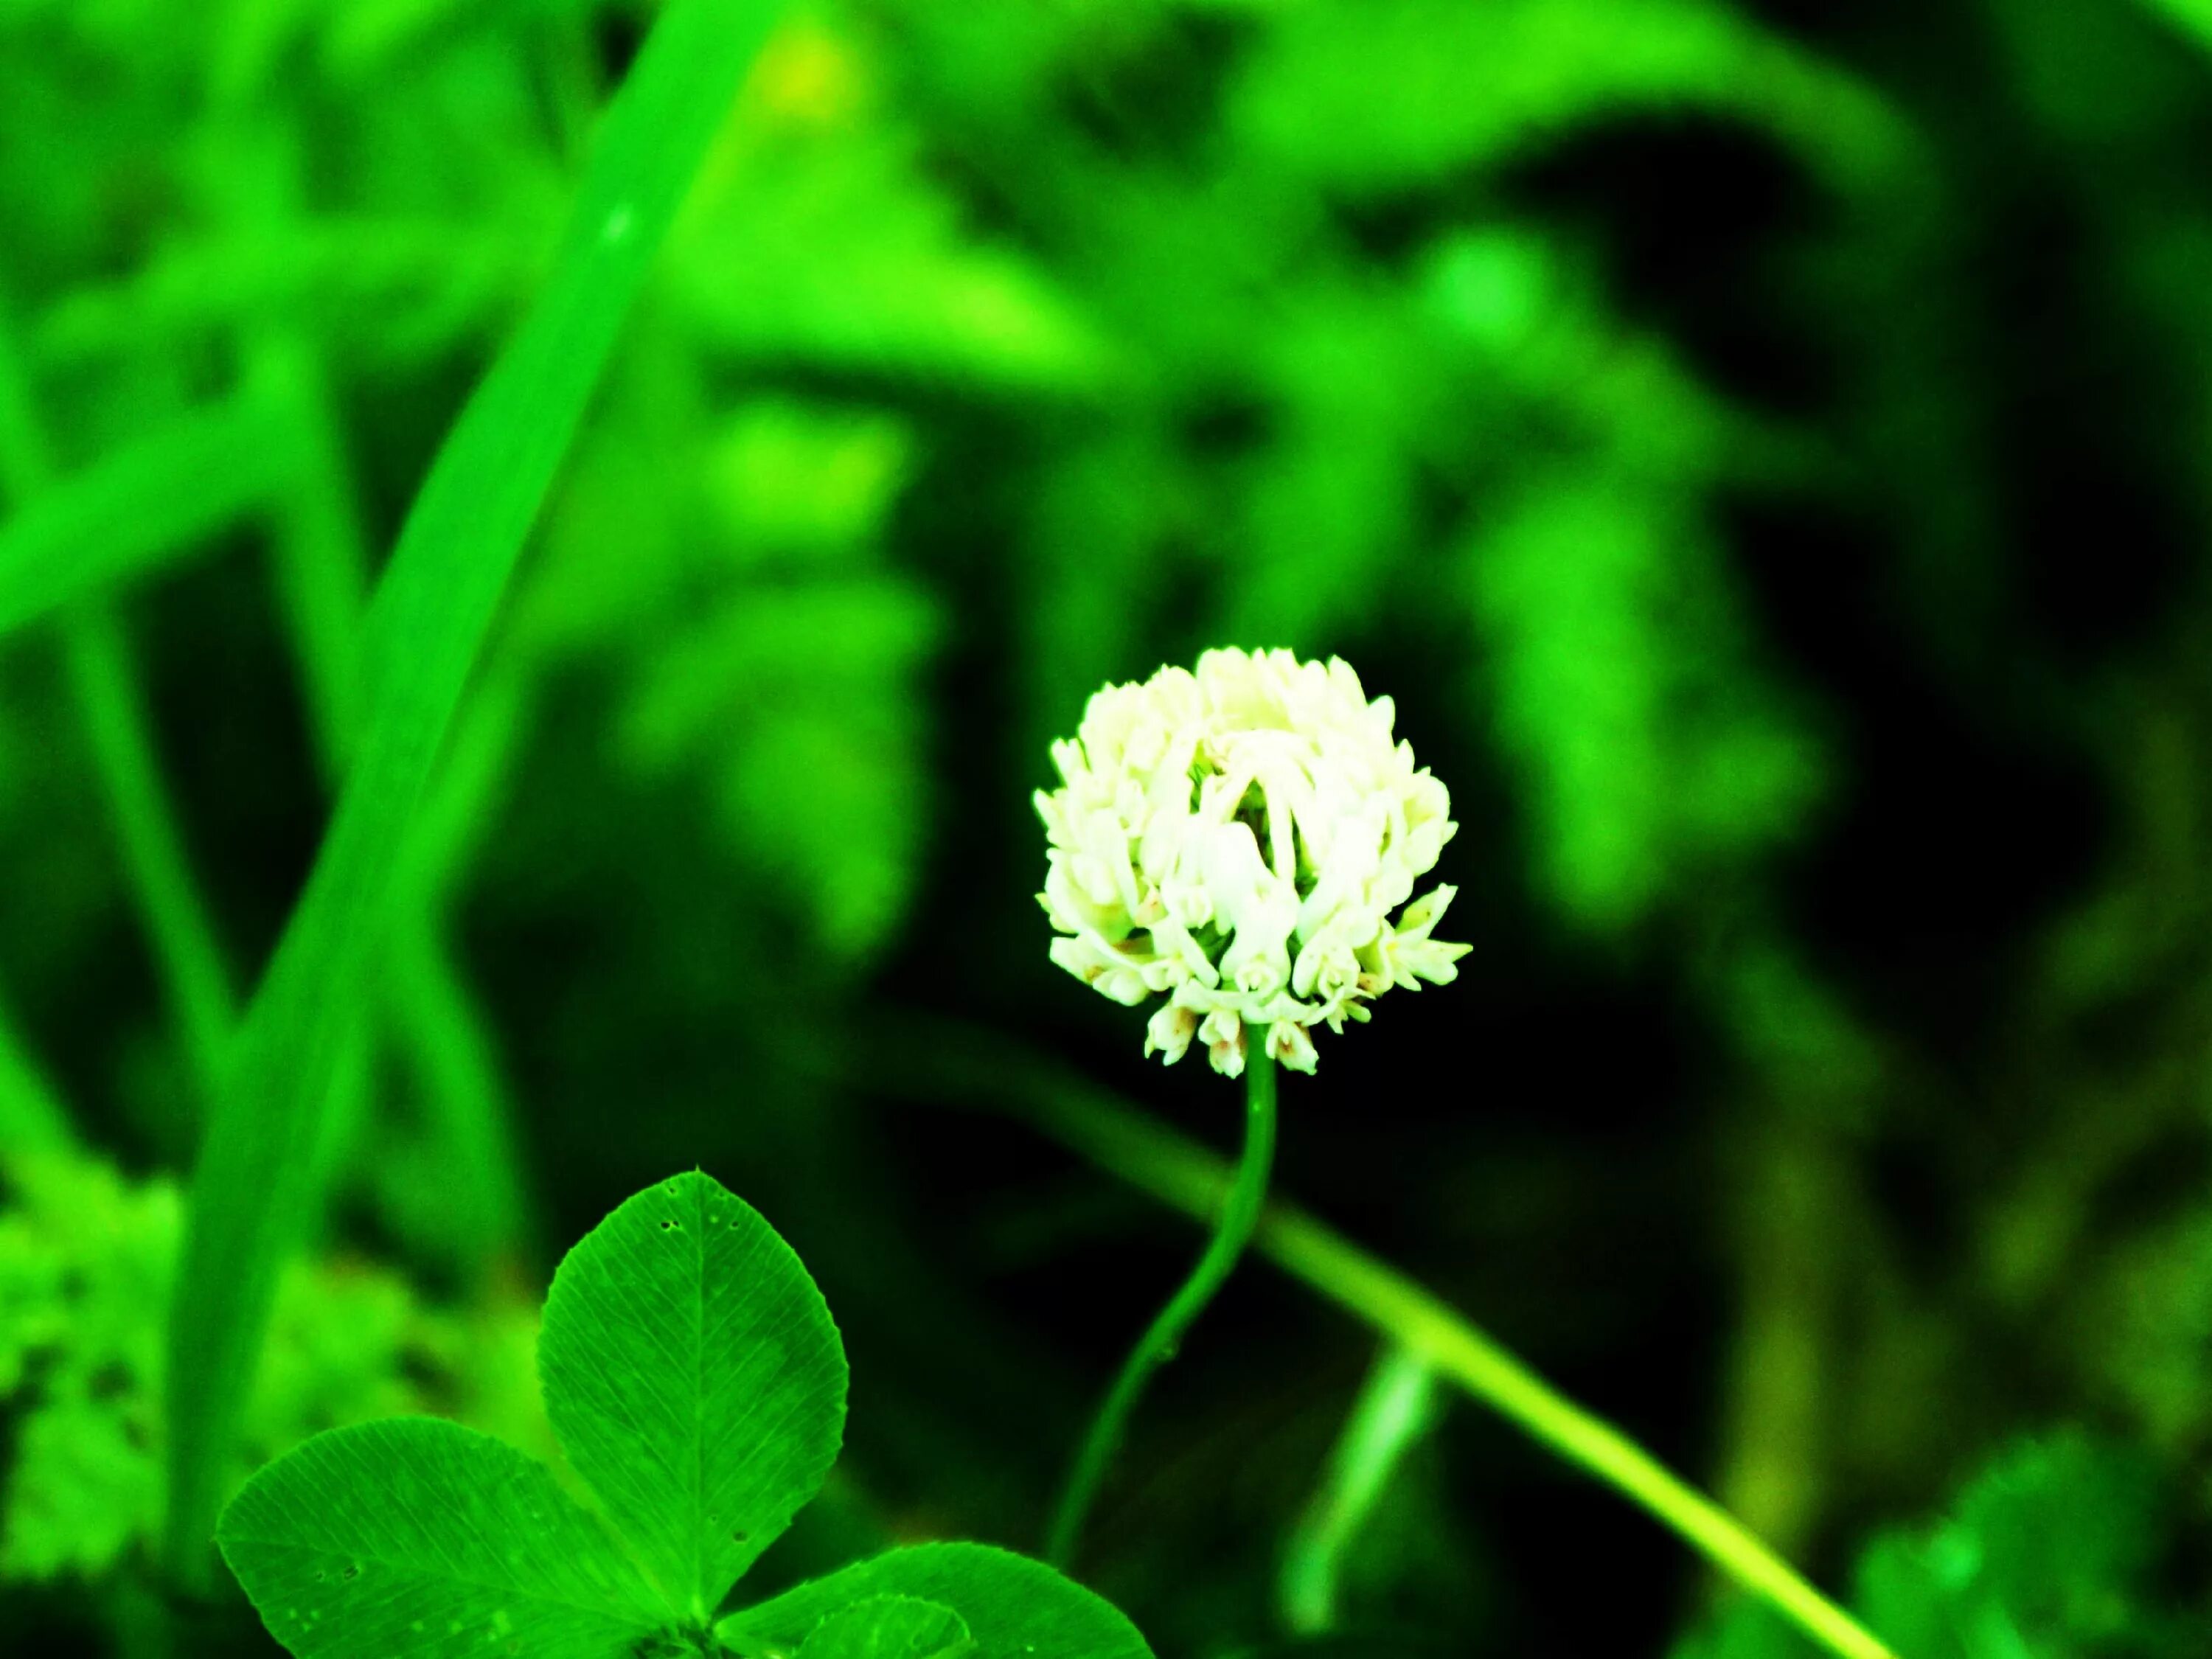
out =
column 106, row 690
column 112, row 709
column 1240, row 1212
column 321, row 567
column 1770, row 1471
column 1395, row 1406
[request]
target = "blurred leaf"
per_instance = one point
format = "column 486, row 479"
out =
column 86, row 1262
column 84, row 1265
column 762, row 645
column 420, row 1537
column 391, row 290
column 1746, row 1629
column 696, row 1380
column 801, row 699
column 2048, row 1554
column 1370, row 96
column 1650, row 751
column 2193, row 16
column 1396, row 1407
column 1331, row 501
column 840, row 251
column 2050, row 1551
column 787, row 477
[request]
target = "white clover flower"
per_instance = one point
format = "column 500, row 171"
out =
column 1236, row 840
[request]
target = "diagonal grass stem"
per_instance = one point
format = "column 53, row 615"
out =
column 255, row 1193
column 105, row 685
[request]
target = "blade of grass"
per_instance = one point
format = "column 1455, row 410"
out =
column 105, row 688
column 113, row 708
column 321, row 555
column 321, row 559
column 456, row 1065
column 146, row 506
column 253, row 1193
column 931, row 1060
column 31, row 1119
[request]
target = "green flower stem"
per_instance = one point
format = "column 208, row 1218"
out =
column 1126, row 1143
column 1240, row 1213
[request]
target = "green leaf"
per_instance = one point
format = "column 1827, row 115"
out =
column 2053, row 1546
column 1366, row 97
column 696, row 1379
column 254, row 1194
column 2051, row 1551
column 1012, row 1605
column 845, row 253
column 891, row 1627
column 418, row 1536
column 142, row 506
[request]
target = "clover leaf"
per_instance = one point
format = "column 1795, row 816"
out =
column 696, row 1382
column 891, row 1627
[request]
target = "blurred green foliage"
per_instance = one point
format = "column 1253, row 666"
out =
column 2055, row 1549
column 86, row 1259
column 1764, row 448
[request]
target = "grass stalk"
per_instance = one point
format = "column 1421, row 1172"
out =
column 321, row 569
column 105, row 686
column 254, row 1194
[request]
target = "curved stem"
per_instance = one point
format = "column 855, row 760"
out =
column 1240, row 1214
column 1126, row 1143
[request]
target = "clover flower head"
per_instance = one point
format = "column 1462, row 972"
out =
column 1243, row 842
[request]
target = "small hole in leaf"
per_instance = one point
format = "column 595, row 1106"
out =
column 739, row 1536
column 668, row 1226
column 352, row 1572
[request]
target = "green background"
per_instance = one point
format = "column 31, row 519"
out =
column 1765, row 450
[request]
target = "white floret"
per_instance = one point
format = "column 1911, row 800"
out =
column 1236, row 840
